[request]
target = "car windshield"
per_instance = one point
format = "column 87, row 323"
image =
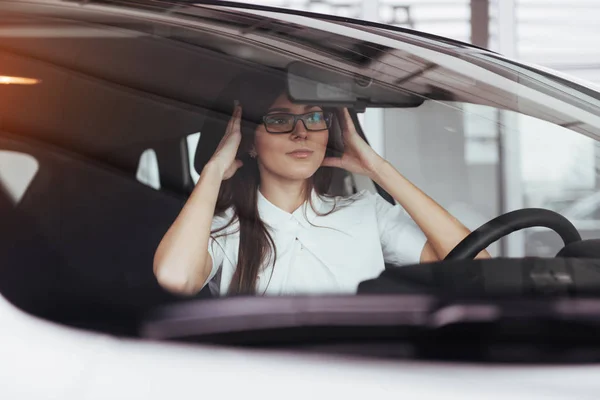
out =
column 150, row 156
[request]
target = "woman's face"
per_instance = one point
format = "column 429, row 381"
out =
column 293, row 156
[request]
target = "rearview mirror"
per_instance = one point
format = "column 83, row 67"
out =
column 311, row 84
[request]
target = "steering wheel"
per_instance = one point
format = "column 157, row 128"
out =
column 513, row 221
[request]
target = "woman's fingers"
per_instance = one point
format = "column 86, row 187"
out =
column 234, row 136
column 224, row 155
column 345, row 119
column 228, row 129
column 232, row 122
column 237, row 118
column 229, row 124
column 341, row 118
column 234, row 116
column 232, row 127
column 233, row 142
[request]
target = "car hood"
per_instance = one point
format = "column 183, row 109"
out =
column 50, row 361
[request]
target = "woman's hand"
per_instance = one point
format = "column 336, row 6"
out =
column 358, row 156
column 224, row 157
column 182, row 262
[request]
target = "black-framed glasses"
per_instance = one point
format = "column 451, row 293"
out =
column 285, row 122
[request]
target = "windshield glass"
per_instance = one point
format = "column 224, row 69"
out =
column 150, row 157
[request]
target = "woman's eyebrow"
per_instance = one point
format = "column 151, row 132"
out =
column 282, row 109
column 288, row 110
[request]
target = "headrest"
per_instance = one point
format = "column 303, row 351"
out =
column 255, row 91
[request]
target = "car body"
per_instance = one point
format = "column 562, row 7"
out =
column 100, row 125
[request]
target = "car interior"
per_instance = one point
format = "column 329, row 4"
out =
column 83, row 235
column 78, row 245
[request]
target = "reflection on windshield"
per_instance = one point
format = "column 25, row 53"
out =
column 145, row 181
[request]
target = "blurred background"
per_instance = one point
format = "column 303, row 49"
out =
column 559, row 34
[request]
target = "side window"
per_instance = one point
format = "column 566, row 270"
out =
column 17, row 171
column 148, row 172
column 479, row 162
column 192, row 145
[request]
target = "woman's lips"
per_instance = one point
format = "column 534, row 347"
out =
column 300, row 153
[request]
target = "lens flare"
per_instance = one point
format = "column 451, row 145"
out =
column 17, row 80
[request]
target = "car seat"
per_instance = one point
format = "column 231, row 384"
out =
column 79, row 246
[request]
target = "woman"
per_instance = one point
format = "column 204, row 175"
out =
column 262, row 214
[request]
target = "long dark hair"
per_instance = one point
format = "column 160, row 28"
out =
column 256, row 92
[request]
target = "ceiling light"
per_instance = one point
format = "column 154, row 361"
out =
column 17, row 80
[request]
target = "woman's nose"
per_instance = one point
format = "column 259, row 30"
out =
column 300, row 130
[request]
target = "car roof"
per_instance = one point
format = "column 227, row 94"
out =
column 328, row 17
column 170, row 104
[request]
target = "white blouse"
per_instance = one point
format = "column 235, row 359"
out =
column 322, row 254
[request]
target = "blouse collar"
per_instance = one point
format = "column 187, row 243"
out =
column 277, row 218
